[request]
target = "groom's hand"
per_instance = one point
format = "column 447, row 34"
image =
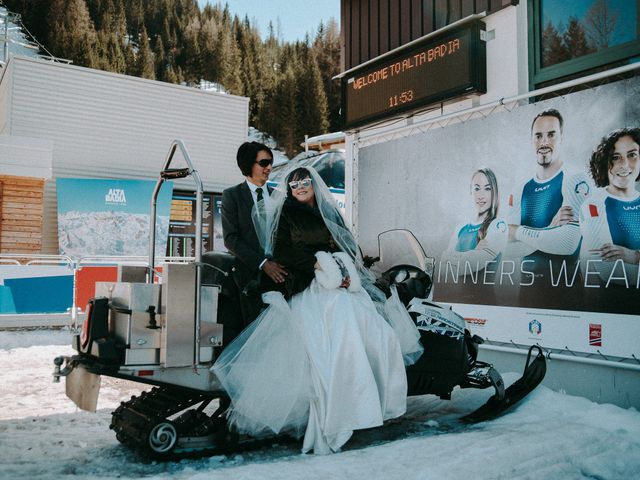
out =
column 274, row 271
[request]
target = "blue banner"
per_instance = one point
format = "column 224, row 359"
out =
column 110, row 217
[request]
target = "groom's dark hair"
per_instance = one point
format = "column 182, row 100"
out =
column 247, row 153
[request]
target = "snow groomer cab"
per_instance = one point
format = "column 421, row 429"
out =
column 163, row 325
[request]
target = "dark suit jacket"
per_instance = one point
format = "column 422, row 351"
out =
column 237, row 227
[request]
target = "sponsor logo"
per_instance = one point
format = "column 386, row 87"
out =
column 635, row 207
column 582, row 188
column 542, row 189
column 595, row 334
column 476, row 322
column 593, row 210
column 501, row 226
column 535, row 327
column 115, row 196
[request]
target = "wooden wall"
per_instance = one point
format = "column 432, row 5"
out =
column 373, row 27
column 21, row 214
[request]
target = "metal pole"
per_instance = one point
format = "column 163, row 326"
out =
column 6, row 38
column 567, row 358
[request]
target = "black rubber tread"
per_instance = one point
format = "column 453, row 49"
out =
column 133, row 420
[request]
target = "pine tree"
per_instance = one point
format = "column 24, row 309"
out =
column 72, row 34
column 229, row 62
column 144, row 58
column 283, row 104
column 134, row 13
column 208, row 47
column 192, row 58
column 312, row 100
column 161, row 60
column 326, row 47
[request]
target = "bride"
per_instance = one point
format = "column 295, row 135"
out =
column 321, row 360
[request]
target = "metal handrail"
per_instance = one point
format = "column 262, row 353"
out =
column 127, row 260
column 35, row 258
column 165, row 174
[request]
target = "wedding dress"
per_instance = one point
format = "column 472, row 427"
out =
column 323, row 364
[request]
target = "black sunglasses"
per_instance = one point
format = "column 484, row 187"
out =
column 265, row 162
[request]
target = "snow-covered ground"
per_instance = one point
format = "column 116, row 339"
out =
column 549, row 436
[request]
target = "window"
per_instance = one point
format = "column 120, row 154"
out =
column 330, row 166
column 578, row 37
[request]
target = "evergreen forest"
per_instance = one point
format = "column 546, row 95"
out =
column 289, row 84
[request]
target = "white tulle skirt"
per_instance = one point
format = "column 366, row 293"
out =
column 323, row 365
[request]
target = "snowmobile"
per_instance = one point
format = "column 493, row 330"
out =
column 165, row 329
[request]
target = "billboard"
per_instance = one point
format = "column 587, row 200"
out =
column 110, row 217
column 536, row 239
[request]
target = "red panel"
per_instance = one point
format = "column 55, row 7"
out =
column 86, row 279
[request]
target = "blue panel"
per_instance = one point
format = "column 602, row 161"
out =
column 41, row 294
column 6, row 300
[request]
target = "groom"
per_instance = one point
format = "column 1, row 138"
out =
column 255, row 161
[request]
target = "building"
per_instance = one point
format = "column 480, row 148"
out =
column 60, row 121
column 433, row 92
column 72, row 121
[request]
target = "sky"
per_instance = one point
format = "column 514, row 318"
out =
column 549, row 435
column 296, row 17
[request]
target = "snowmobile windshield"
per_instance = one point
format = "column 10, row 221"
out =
column 400, row 247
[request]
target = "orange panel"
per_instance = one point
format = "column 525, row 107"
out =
column 86, row 279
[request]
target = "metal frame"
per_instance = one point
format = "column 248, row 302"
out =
column 167, row 174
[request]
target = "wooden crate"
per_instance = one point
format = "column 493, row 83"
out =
column 21, row 212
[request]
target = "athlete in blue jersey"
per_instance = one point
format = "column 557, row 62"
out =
column 474, row 245
column 543, row 213
column 610, row 221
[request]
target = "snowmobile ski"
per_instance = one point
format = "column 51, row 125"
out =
column 504, row 400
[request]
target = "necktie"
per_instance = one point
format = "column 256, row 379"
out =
column 260, row 203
